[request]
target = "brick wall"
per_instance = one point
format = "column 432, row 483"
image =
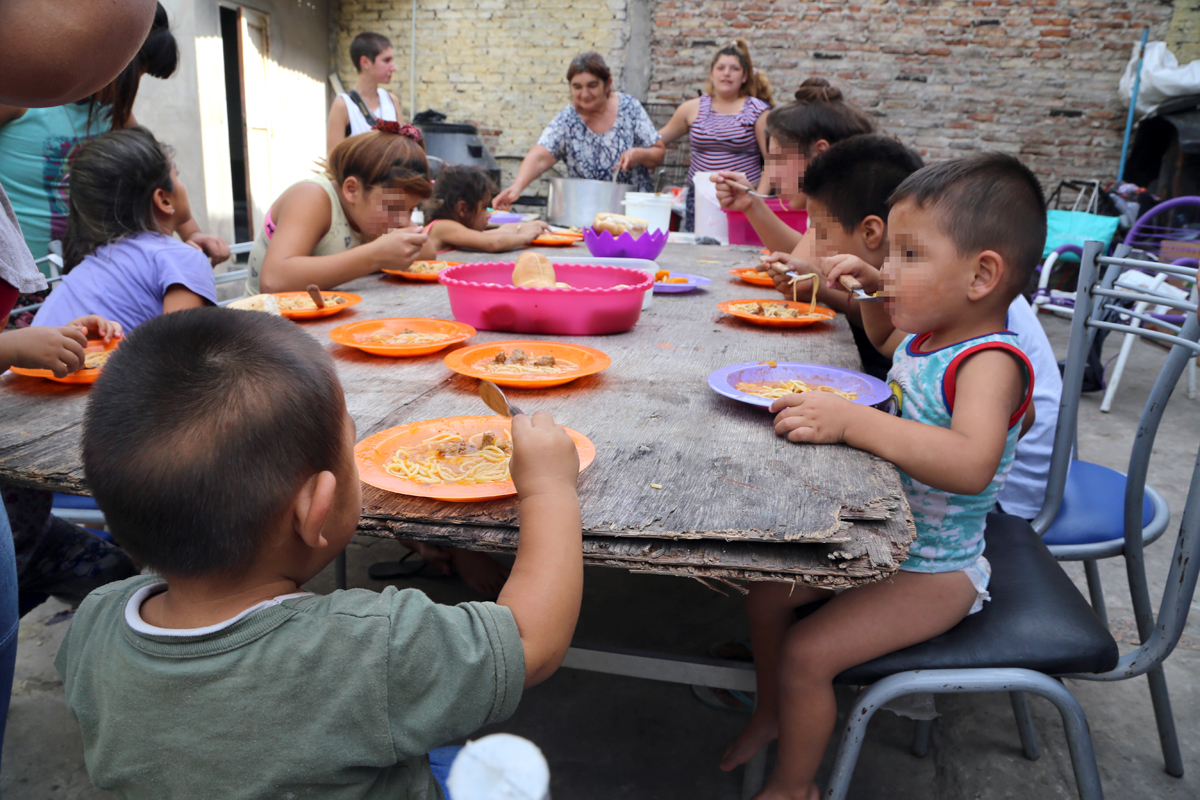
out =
column 1037, row 78
column 500, row 64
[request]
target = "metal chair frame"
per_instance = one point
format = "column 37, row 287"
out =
column 1159, row 633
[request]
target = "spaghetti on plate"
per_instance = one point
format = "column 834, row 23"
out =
column 303, row 302
column 774, row 390
column 451, row 458
column 406, row 336
column 518, row 362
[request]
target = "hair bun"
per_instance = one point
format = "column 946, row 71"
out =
column 818, row 90
column 399, row 129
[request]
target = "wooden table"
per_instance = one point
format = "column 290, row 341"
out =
column 737, row 502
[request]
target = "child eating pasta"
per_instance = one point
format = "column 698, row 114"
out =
column 457, row 215
column 964, row 237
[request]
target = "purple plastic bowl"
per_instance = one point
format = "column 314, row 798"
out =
column 482, row 295
column 603, row 245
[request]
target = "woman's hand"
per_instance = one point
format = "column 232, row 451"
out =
column 211, row 245
column 59, row 350
column 97, row 327
column 731, row 191
column 629, row 159
column 505, row 199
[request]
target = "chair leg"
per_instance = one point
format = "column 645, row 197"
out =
column 1029, row 742
column 1161, row 701
column 1095, row 590
column 1079, row 740
column 754, row 774
column 339, row 570
column 920, row 743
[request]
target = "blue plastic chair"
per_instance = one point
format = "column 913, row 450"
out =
column 1038, row 627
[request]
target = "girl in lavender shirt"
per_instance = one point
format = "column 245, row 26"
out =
column 121, row 258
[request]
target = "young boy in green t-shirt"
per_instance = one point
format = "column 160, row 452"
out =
column 219, row 446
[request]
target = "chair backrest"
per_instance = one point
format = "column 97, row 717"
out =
column 1170, row 231
column 1095, row 297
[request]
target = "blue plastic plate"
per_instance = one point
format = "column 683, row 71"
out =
column 693, row 282
column 870, row 391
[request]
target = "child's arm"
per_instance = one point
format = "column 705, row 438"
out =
column 545, row 587
column 59, row 350
column 777, row 265
column 961, row 459
column 448, row 233
column 179, row 297
column 876, row 320
column 301, row 222
column 339, row 118
column 774, row 232
column 96, row 327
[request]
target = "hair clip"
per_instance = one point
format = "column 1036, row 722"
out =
column 399, row 129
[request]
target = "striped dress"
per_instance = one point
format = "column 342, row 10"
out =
column 724, row 142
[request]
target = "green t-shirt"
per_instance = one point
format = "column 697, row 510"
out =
column 337, row 696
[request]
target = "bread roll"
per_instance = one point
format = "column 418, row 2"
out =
column 616, row 224
column 258, row 302
column 533, row 270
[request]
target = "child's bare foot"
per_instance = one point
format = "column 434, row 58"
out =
column 482, row 573
column 758, row 733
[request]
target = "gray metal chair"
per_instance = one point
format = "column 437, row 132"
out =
column 1035, row 628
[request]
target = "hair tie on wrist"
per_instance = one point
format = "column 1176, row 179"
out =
column 399, row 129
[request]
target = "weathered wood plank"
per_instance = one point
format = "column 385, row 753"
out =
column 654, row 420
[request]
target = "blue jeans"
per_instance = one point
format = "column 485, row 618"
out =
column 8, row 616
column 440, row 759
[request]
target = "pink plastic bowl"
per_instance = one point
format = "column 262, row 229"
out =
column 603, row 245
column 591, row 307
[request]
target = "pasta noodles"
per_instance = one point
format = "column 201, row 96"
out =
column 451, row 458
column 428, row 267
column 406, row 336
column 302, row 302
column 812, row 303
column 518, row 362
column 774, row 390
column 95, row 359
column 773, row 311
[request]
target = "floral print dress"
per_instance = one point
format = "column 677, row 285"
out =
column 593, row 155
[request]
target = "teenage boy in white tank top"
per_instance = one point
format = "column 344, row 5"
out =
column 375, row 61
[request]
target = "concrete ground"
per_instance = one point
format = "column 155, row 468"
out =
column 608, row 737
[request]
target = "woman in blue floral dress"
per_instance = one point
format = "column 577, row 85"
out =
column 601, row 131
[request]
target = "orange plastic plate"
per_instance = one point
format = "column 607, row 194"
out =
column 78, row 376
column 751, row 275
column 589, row 359
column 423, row 276
column 358, row 334
column 314, row 313
column 373, row 452
column 822, row 314
column 555, row 240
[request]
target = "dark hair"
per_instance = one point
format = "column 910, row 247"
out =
column 380, row 158
column 369, row 45
column 467, row 184
column 819, row 112
column 111, row 187
column 989, row 201
column 756, row 84
column 202, row 429
column 158, row 57
column 592, row 63
column 854, row 178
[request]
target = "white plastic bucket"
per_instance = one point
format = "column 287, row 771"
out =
column 654, row 208
column 710, row 219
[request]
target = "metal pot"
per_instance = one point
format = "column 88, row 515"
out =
column 576, row 201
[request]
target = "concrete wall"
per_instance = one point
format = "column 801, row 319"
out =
column 188, row 110
column 499, row 63
column 1037, row 78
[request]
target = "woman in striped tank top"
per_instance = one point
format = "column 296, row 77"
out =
column 726, row 124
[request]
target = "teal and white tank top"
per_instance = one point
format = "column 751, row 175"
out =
column 949, row 526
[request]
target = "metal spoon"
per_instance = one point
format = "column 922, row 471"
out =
column 658, row 183
column 849, row 284
column 748, row 190
column 490, row 393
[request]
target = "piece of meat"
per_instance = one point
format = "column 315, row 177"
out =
column 452, row 449
column 487, row 440
column 505, row 446
column 518, row 356
column 501, row 357
column 544, row 361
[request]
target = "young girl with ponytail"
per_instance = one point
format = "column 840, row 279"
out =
column 726, row 125
column 348, row 221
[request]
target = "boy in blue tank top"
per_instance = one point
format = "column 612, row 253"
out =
column 963, row 239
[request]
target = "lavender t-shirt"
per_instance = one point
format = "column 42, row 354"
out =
column 126, row 281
